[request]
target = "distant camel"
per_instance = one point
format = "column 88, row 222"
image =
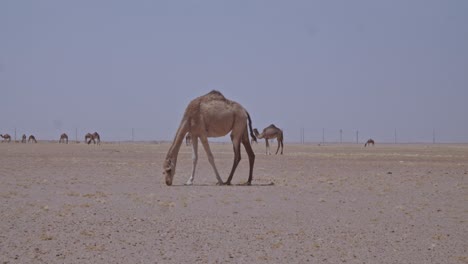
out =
column 370, row 141
column 212, row 115
column 32, row 138
column 188, row 139
column 93, row 137
column 271, row 132
column 63, row 138
column 6, row 138
column 23, row 138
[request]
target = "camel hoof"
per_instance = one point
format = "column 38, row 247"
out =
column 227, row 183
column 220, row 183
column 246, row 184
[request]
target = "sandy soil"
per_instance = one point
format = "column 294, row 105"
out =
column 329, row 204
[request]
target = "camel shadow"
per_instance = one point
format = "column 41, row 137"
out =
column 232, row 185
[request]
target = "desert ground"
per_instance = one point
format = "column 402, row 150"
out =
column 78, row 203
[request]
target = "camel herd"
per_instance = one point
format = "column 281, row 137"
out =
column 210, row 115
column 94, row 137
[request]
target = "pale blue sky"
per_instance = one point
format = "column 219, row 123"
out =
column 110, row 66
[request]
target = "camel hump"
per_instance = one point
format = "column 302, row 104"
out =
column 272, row 126
column 215, row 93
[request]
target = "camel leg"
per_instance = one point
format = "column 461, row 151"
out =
column 267, row 147
column 278, row 148
column 194, row 160
column 251, row 154
column 237, row 157
column 280, row 142
column 206, row 146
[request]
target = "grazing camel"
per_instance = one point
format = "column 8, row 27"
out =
column 212, row 115
column 271, row 132
column 93, row 137
column 63, row 138
column 188, row 139
column 370, row 141
column 6, row 138
column 88, row 137
column 23, row 138
column 32, row 138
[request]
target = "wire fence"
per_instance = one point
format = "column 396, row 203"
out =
column 300, row 135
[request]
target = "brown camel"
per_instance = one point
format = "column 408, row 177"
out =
column 369, row 142
column 95, row 138
column 63, row 138
column 23, row 138
column 188, row 139
column 212, row 115
column 271, row 132
column 32, row 138
column 6, row 138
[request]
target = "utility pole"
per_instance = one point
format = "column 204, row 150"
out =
column 76, row 135
column 303, row 135
column 357, row 136
column 341, row 136
column 433, row 136
column 396, row 136
column 323, row 135
column 15, row 134
column 133, row 134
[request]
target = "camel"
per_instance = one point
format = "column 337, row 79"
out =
column 63, row 138
column 23, row 138
column 32, row 138
column 6, row 138
column 88, row 137
column 370, row 141
column 188, row 139
column 212, row 115
column 93, row 137
column 271, row 132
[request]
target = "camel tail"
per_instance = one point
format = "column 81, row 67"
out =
column 250, row 127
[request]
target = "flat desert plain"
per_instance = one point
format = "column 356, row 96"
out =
column 80, row 203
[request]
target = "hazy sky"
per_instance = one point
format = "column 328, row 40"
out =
column 110, row 66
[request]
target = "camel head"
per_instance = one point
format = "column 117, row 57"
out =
column 255, row 132
column 169, row 170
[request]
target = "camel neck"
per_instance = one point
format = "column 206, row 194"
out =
column 178, row 139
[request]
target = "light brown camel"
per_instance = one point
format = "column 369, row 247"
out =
column 32, row 138
column 95, row 138
column 271, row 132
column 63, row 138
column 23, row 138
column 370, row 141
column 6, row 138
column 188, row 139
column 212, row 115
